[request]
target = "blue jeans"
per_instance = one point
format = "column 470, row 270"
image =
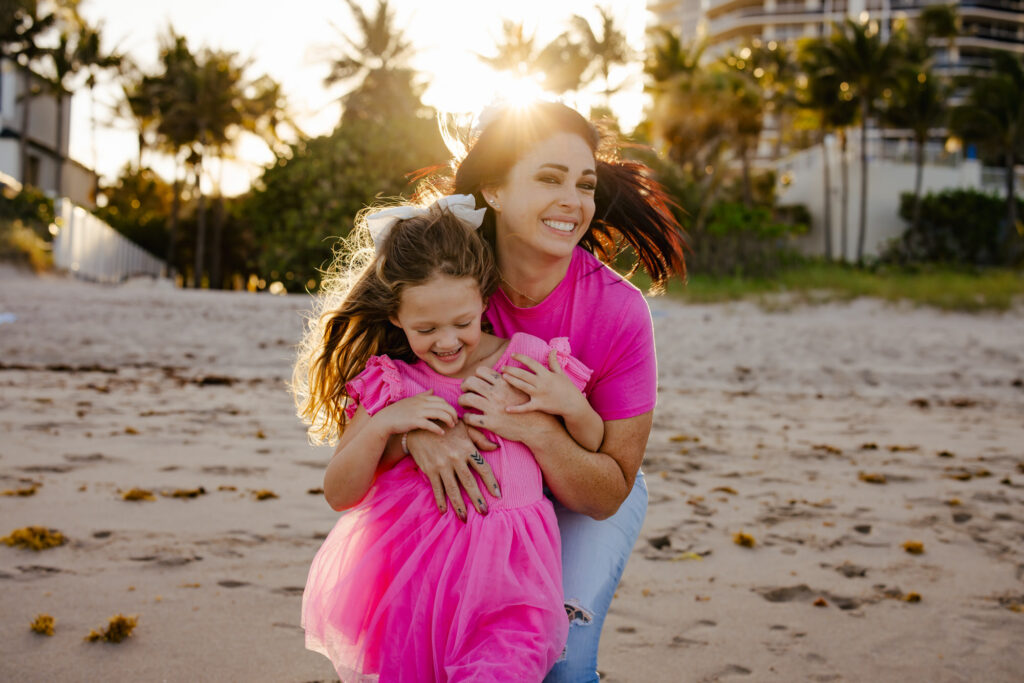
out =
column 594, row 555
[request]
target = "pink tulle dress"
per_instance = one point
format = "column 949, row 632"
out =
column 401, row 593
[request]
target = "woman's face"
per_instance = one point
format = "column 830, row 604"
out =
column 547, row 202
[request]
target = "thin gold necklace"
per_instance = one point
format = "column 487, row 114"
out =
column 529, row 298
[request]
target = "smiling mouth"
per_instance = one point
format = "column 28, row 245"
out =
column 447, row 355
column 560, row 226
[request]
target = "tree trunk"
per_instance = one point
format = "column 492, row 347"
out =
column 862, row 230
column 26, row 104
column 844, row 196
column 172, row 237
column 216, row 271
column 58, row 176
column 748, row 190
column 828, row 201
column 918, row 180
column 197, row 273
column 1011, row 198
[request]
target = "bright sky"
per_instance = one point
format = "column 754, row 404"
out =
column 291, row 42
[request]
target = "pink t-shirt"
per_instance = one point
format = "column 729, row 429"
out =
column 609, row 328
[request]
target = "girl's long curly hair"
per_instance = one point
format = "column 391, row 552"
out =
column 360, row 292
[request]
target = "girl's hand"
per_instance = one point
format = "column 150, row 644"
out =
column 550, row 389
column 490, row 395
column 449, row 461
column 422, row 411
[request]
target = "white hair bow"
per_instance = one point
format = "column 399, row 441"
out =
column 462, row 206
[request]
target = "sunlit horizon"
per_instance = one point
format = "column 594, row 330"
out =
column 294, row 49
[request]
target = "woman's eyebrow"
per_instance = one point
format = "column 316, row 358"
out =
column 565, row 169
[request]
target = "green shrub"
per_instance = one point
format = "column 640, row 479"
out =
column 958, row 227
column 30, row 207
column 21, row 245
column 742, row 240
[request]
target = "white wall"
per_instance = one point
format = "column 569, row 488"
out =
column 887, row 179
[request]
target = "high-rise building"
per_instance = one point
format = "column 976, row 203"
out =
column 987, row 25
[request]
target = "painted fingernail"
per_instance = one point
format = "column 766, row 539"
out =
column 497, row 491
column 461, row 514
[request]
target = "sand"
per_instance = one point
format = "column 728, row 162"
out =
column 773, row 424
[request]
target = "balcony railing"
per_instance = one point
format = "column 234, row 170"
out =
column 1002, row 5
column 1004, row 35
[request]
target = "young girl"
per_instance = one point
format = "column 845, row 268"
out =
column 397, row 592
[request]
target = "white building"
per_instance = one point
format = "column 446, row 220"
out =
column 987, row 26
column 46, row 154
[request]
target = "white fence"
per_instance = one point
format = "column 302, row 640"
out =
column 90, row 249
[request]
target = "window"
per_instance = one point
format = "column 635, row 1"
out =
column 31, row 171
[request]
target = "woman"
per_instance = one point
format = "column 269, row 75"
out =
column 555, row 197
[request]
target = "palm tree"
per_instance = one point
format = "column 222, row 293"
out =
column 156, row 104
column 743, row 106
column 857, row 54
column 833, row 110
column 774, row 66
column 561, row 63
column 380, row 46
column 78, row 49
column 993, row 117
column 918, row 103
column 702, row 116
column 668, row 56
column 94, row 61
column 604, row 52
column 139, row 104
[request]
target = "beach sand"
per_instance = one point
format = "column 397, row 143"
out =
column 830, row 435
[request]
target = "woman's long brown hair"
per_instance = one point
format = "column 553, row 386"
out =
column 632, row 209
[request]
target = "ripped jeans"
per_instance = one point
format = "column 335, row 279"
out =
column 594, row 555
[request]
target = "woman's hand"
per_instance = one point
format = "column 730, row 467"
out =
column 422, row 411
column 449, row 460
column 491, row 396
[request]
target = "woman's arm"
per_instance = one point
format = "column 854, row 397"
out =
column 593, row 483
column 358, row 457
column 551, row 391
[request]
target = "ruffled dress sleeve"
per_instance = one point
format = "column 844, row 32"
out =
column 377, row 386
column 573, row 367
column 539, row 350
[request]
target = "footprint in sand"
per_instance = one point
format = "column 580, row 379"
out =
column 730, row 671
column 805, row 594
column 167, row 560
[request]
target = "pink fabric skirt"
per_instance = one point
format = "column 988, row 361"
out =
column 401, row 593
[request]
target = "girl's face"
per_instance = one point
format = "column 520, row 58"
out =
column 547, row 202
column 441, row 319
